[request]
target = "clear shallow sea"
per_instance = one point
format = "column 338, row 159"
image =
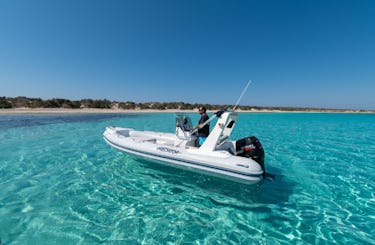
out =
column 61, row 184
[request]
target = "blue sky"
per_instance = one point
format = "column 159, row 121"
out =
column 307, row 53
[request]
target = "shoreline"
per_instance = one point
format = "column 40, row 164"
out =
column 99, row 111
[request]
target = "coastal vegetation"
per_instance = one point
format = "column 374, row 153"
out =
column 24, row 102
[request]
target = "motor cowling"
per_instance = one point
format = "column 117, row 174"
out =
column 251, row 147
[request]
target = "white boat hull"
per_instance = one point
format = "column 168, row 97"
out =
column 170, row 150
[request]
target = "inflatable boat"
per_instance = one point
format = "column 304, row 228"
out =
column 239, row 160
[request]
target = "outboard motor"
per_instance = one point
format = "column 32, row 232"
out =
column 251, row 147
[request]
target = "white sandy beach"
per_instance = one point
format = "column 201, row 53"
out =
column 78, row 111
column 95, row 111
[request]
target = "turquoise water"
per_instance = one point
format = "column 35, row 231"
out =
column 61, row 184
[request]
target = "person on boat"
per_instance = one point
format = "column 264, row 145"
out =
column 204, row 131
